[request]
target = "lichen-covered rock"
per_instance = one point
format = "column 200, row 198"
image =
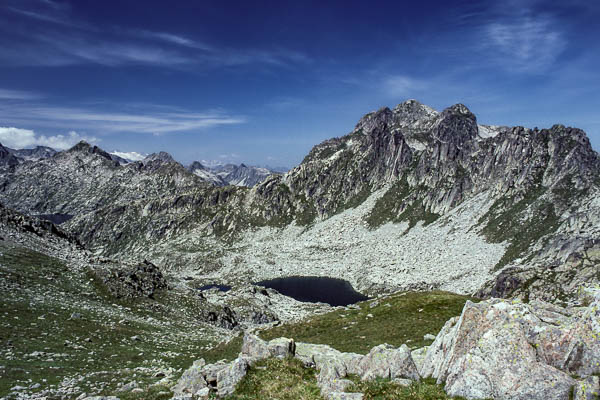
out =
column 254, row 347
column 511, row 350
column 418, row 356
column 386, row 361
column 230, row 376
column 587, row 389
column 192, row 380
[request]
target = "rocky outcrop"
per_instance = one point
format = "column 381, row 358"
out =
column 221, row 378
column 142, row 280
column 34, row 154
column 510, row 350
column 383, row 361
column 39, row 227
column 205, row 173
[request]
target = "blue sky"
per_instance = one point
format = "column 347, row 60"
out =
column 262, row 82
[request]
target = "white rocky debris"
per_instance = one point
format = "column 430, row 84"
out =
column 448, row 254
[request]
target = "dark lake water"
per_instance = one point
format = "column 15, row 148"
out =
column 222, row 288
column 336, row 292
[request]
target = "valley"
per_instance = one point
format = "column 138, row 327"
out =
column 137, row 270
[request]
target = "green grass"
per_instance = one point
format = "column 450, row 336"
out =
column 521, row 223
column 400, row 318
column 387, row 208
column 273, row 378
column 384, row 389
column 39, row 295
column 288, row 379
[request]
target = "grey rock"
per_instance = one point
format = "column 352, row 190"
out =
column 385, row 361
column 418, row 356
column 587, row 389
column 402, row 382
column 129, row 386
column 192, row 380
column 255, row 347
column 101, row 398
column 142, row 280
column 495, row 346
column 429, row 336
column 345, row 396
column 230, row 376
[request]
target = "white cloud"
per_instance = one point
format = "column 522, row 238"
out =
column 157, row 123
column 7, row 94
column 404, row 86
column 18, row 138
column 173, row 39
column 132, row 155
column 530, row 43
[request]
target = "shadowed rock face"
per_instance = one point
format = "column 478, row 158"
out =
column 540, row 188
column 7, row 159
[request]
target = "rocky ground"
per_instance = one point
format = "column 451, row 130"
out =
column 74, row 323
column 494, row 349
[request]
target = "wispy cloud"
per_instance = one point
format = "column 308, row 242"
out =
column 404, row 86
column 528, row 43
column 173, row 39
column 94, row 120
column 6, row 94
column 58, row 40
column 17, row 138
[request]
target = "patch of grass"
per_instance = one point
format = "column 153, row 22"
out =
column 155, row 392
column 224, row 351
column 41, row 343
column 355, row 201
column 387, row 208
column 522, row 223
column 384, row 389
column 288, row 379
column 397, row 319
column 282, row 379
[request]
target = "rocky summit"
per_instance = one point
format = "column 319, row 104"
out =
column 154, row 265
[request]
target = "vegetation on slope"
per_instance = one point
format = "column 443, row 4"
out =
column 56, row 325
column 387, row 208
column 397, row 319
column 288, row 379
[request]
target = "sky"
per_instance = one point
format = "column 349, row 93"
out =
column 262, row 82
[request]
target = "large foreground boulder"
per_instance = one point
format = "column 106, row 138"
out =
column 509, row 350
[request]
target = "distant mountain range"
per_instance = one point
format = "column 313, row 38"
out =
column 219, row 174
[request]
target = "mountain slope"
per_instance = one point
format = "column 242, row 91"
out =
column 411, row 198
column 34, row 154
column 85, row 177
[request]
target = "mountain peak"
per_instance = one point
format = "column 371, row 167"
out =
column 197, row 165
column 162, row 156
column 459, row 108
column 85, row 147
